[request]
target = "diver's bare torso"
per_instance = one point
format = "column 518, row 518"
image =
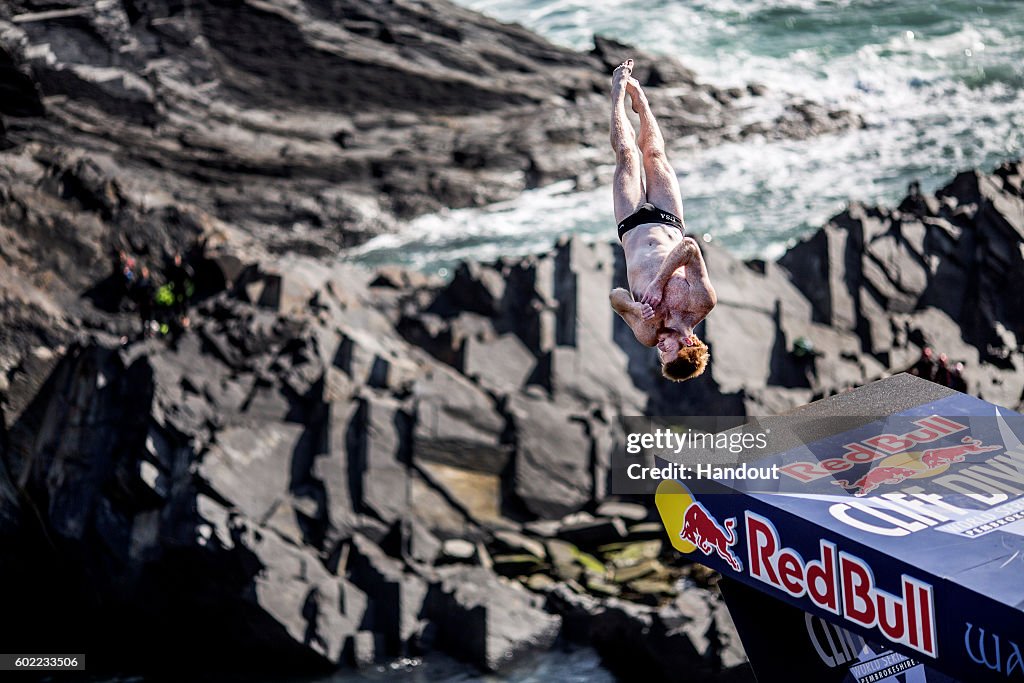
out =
column 645, row 248
column 688, row 289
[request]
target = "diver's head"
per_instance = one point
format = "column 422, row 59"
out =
column 683, row 356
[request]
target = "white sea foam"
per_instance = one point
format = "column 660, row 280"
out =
column 940, row 89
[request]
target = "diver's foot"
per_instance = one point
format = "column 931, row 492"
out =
column 637, row 96
column 620, row 77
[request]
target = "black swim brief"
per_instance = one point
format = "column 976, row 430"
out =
column 648, row 213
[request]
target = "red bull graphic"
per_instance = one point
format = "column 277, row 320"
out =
column 704, row 531
column 924, row 562
column 875, row 478
column 937, row 457
column 875, row 448
column 843, row 584
column 898, row 468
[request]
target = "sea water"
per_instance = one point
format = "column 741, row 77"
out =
column 939, row 84
column 559, row 665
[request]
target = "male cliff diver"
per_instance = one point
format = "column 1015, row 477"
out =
column 669, row 290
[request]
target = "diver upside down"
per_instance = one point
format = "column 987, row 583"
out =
column 669, row 292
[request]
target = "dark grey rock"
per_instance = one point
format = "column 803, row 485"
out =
column 364, row 648
column 650, row 71
column 595, row 533
column 694, row 634
column 424, row 547
column 318, row 610
column 396, row 611
column 378, row 452
column 249, row 467
column 456, row 423
column 520, row 543
column 552, row 475
column 818, row 267
column 482, row 619
column 503, row 365
column 477, row 289
column 582, row 274
column 628, row 511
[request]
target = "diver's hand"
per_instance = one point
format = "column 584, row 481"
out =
column 646, row 311
column 652, row 295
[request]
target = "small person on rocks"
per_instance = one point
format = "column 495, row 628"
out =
column 143, row 293
column 125, row 269
column 956, row 378
column 669, row 289
column 942, row 370
column 925, row 367
column 180, row 277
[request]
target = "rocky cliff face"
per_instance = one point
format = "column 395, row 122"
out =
column 332, row 466
column 335, row 466
column 294, row 480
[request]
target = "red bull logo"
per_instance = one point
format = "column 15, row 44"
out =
column 702, row 530
column 692, row 528
column 937, row 457
column 898, row 468
column 875, row 448
column 843, row 584
column 875, row 478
